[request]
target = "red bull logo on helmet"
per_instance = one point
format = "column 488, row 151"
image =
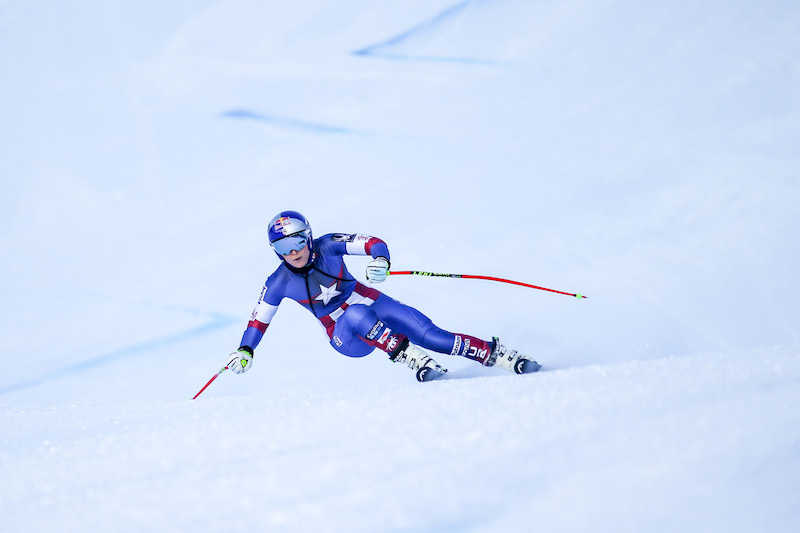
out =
column 283, row 225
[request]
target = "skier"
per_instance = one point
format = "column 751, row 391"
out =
column 357, row 318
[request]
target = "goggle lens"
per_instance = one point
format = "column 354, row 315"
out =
column 285, row 245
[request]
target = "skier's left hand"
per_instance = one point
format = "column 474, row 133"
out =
column 378, row 270
column 239, row 361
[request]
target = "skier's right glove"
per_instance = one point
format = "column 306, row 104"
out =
column 240, row 361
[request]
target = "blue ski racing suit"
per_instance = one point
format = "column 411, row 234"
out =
column 356, row 318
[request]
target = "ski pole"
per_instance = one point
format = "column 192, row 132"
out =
column 209, row 382
column 490, row 278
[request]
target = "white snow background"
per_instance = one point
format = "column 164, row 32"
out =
column 646, row 155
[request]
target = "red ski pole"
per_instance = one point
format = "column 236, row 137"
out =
column 209, row 382
column 490, row 278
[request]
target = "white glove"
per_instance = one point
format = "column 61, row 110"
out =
column 240, row 361
column 378, row 270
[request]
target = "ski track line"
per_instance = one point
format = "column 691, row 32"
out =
column 286, row 122
column 382, row 49
column 217, row 321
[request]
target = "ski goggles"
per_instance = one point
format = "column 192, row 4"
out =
column 286, row 245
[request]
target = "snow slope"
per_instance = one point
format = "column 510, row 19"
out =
column 695, row 443
column 642, row 155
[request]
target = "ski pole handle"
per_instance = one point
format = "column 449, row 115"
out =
column 490, row 278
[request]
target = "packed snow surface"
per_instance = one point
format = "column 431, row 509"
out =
column 644, row 155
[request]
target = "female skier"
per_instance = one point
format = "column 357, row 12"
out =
column 357, row 318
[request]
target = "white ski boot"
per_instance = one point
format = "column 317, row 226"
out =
column 511, row 360
column 419, row 360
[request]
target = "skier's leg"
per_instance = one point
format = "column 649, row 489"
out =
column 422, row 331
column 349, row 332
column 390, row 325
column 359, row 330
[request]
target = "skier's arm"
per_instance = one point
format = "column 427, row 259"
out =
column 258, row 324
column 242, row 359
column 378, row 268
column 356, row 244
column 377, row 248
column 359, row 244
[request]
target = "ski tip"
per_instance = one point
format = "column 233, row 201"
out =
column 534, row 367
column 428, row 374
column 527, row 366
column 580, row 296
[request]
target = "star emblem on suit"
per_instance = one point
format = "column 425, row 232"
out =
column 327, row 293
